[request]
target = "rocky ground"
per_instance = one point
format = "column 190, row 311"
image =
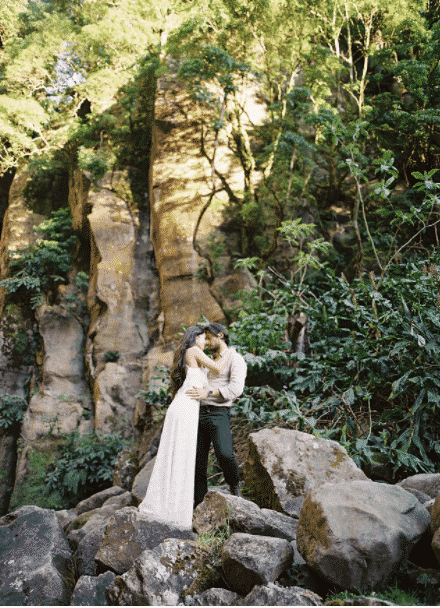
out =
column 315, row 523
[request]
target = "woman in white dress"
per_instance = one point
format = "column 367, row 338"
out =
column 170, row 492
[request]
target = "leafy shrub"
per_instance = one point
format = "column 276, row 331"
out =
column 85, row 466
column 112, row 356
column 38, row 268
column 158, row 391
column 76, row 302
column 12, row 409
column 372, row 380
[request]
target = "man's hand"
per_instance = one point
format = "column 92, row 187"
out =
column 197, row 393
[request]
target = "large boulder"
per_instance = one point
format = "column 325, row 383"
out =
column 274, row 595
column 87, row 548
column 220, row 511
column 284, row 465
column 37, row 565
column 91, row 520
column 429, row 483
column 164, row 576
column 90, row 590
column 249, row 560
column 354, row 534
column 128, row 533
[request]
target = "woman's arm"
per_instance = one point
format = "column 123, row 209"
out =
column 196, row 354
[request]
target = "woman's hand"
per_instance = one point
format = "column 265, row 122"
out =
column 197, row 393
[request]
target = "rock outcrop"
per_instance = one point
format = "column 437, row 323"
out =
column 64, row 394
column 90, row 590
column 37, row 564
column 249, row 560
column 429, row 483
column 221, row 511
column 163, row 576
column 122, row 300
column 127, row 534
column 272, row 594
column 355, row 533
column 284, row 465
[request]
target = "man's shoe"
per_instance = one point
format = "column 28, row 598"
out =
column 236, row 490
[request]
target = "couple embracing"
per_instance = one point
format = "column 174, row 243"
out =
column 203, row 389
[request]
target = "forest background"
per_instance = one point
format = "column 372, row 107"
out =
column 351, row 137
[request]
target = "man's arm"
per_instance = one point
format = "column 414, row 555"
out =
column 232, row 390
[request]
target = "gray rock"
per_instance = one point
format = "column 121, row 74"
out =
column 90, row 590
column 284, row 465
column 141, row 481
column 120, row 501
column 87, row 549
column 297, row 557
column 421, row 496
column 37, row 564
column 97, row 500
column 274, row 595
column 215, row 597
column 128, row 533
column 249, row 560
column 163, row 576
column 65, row 517
column 429, row 483
column 219, row 510
column 92, row 520
column 279, row 525
column 355, row 533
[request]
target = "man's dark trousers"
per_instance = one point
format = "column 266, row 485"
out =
column 215, row 427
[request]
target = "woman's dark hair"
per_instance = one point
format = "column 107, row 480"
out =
column 178, row 371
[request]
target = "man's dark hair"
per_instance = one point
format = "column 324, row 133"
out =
column 216, row 328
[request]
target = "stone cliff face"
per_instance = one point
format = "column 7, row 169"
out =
column 138, row 248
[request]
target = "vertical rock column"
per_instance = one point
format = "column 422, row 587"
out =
column 122, row 301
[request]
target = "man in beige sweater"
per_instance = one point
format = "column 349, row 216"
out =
column 215, row 413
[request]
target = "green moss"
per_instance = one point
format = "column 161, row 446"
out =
column 31, row 489
column 340, row 457
column 81, row 521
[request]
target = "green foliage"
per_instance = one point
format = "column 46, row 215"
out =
column 85, row 466
column 31, row 490
column 157, row 393
column 12, row 410
column 95, row 162
column 76, row 301
column 112, row 356
column 38, row 268
column 373, row 378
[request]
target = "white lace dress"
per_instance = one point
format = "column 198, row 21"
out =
column 170, row 493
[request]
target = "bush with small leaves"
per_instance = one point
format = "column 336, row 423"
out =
column 85, row 466
column 12, row 410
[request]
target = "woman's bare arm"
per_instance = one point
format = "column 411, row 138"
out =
column 196, row 354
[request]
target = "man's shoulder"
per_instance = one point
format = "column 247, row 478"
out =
column 236, row 357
